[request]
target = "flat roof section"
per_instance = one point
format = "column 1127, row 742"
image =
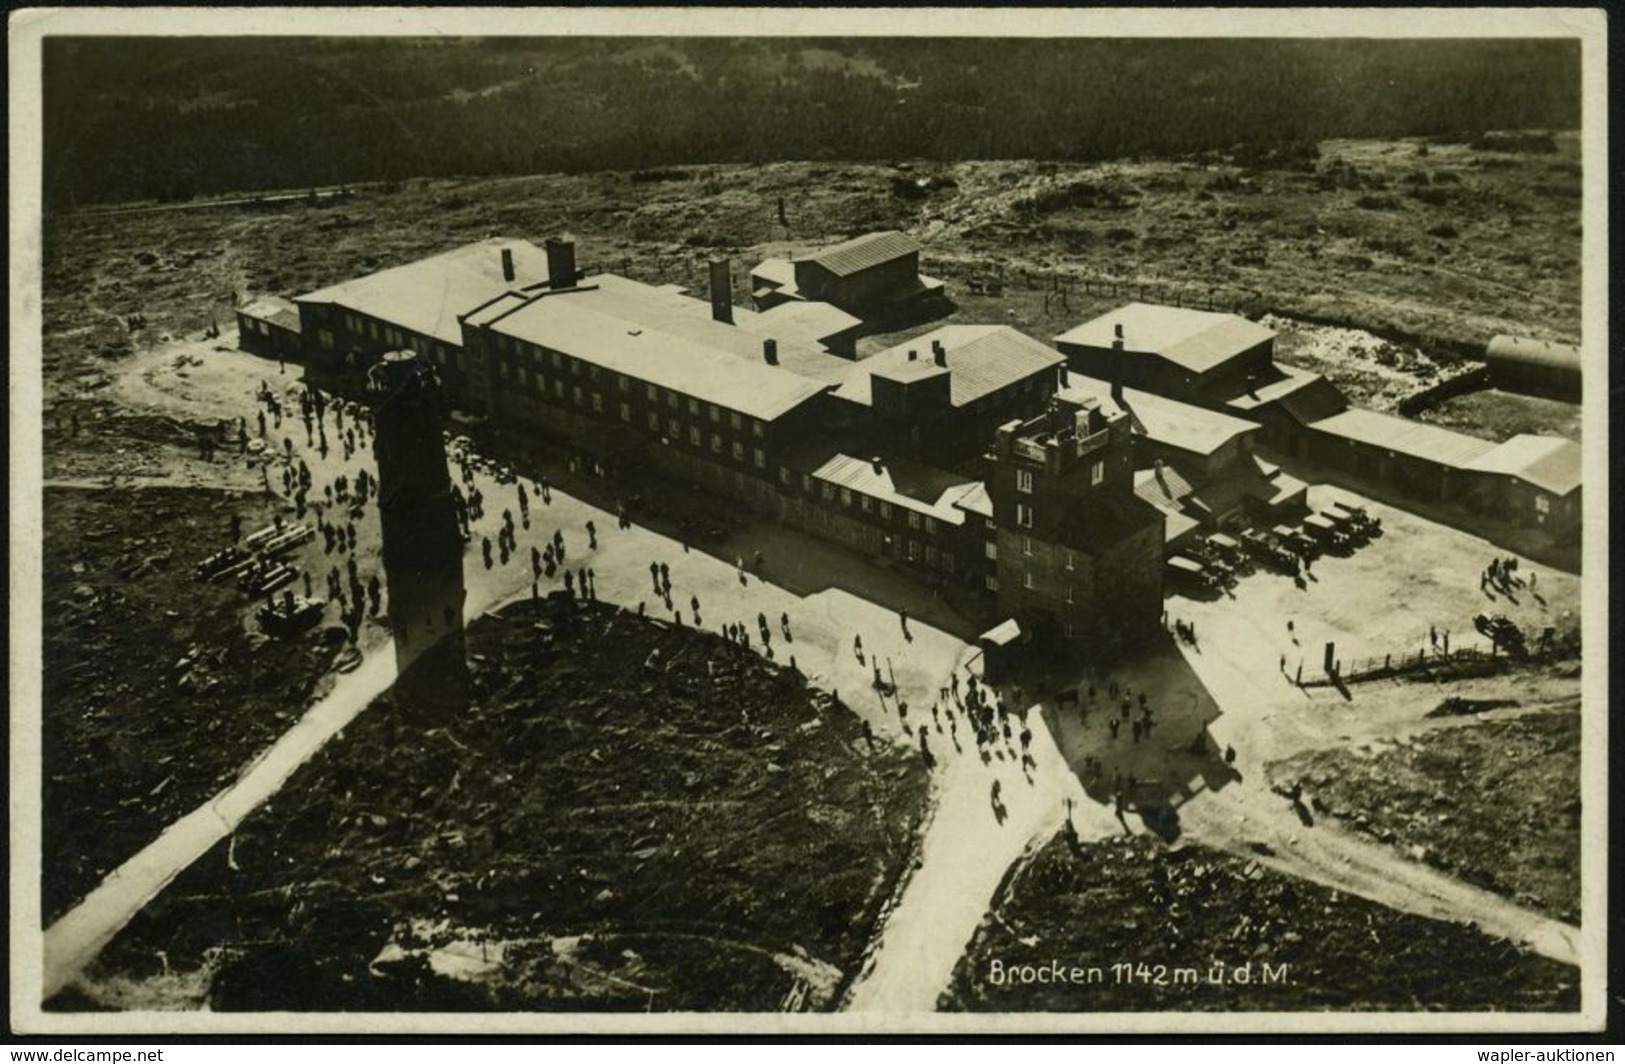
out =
column 655, row 356
column 981, row 360
column 427, row 296
column 1405, row 436
column 910, row 485
column 1197, row 340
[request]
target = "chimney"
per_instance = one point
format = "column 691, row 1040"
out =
column 722, row 291
column 561, row 262
column 507, row 265
column 1161, row 480
column 913, row 354
column 770, row 352
column 939, row 352
column 879, row 466
column 1117, row 331
column 1117, row 390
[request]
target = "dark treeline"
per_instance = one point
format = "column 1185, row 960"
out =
column 129, row 119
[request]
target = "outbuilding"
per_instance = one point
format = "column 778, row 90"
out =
column 1534, row 367
column 269, row 326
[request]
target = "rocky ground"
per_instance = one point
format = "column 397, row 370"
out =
column 627, row 815
column 1493, row 803
column 1192, row 929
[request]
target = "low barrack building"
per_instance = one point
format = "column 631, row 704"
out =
column 873, row 276
column 1534, row 367
column 1195, row 355
column 269, row 326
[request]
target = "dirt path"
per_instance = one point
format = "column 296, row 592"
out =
column 1239, row 817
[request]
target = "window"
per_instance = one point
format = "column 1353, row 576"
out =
column 1069, row 594
column 1024, row 515
column 626, row 412
column 806, row 483
column 930, row 526
column 372, row 329
column 502, row 370
column 829, row 492
column 523, row 378
column 757, row 429
column 930, row 555
column 675, row 430
column 1543, row 505
column 654, row 423
column 1071, row 633
column 592, row 373
column 784, row 472
column 735, row 420
column 1097, row 472
column 738, row 451
column 947, row 562
column 913, row 550
column 693, row 406
column 558, row 388
column 913, row 519
column 1024, row 481
column 992, row 551
column 694, row 436
column 575, row 368
column 576, row 395
column 622, row 383
column 352, row 322
column 558, row 359
column 716, row 443
column 652, row 392
column 761, row 458
column 597, row 403
column 1027, row 546
column 439, row 355
column 992, row 583
column 885, row 510
column 671, row 400
column 325, row 338
column 846, row 497
column 1027, row 580
column 865, row 503
column 713, row 413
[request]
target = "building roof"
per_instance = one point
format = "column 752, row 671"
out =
column 974, row 499
column 1169, row 421
column 584, row 330
column 1404, row 436
column 1166, row 491
column 1549, row 463
column 1197, row 340
column 427, row 296
column 808, row 321
column 1305, row 395
column 274, row 309
column 669, row 310
column 861, row 253
column 901, row 482
column 981, row 360
column 780, row 273
column 1525, row 351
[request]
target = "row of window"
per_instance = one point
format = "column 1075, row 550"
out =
column 547, row 357
column 865, row 503
column 1024, row 477
column 1030, row 583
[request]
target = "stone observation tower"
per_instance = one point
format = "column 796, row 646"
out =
column 423, row 549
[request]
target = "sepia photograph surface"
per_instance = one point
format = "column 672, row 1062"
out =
column 735, row 521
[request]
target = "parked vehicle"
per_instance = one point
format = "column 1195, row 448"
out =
column 1326, row 533
column 1295, row 539
column 1192, row 575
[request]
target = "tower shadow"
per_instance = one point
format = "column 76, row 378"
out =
column 422, row 545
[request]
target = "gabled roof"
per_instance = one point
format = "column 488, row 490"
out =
column 860, row 253
column 274, row 309
column 1166, row 490
column 910, row 485
column 808, row 321
column 1404, row 436
column 981, row 360
column 426, row 296
column 1549, row 463
column 1169, row 421
column 1305, row 396
column 1197, row 340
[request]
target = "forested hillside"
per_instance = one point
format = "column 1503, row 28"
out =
column 129, row 119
